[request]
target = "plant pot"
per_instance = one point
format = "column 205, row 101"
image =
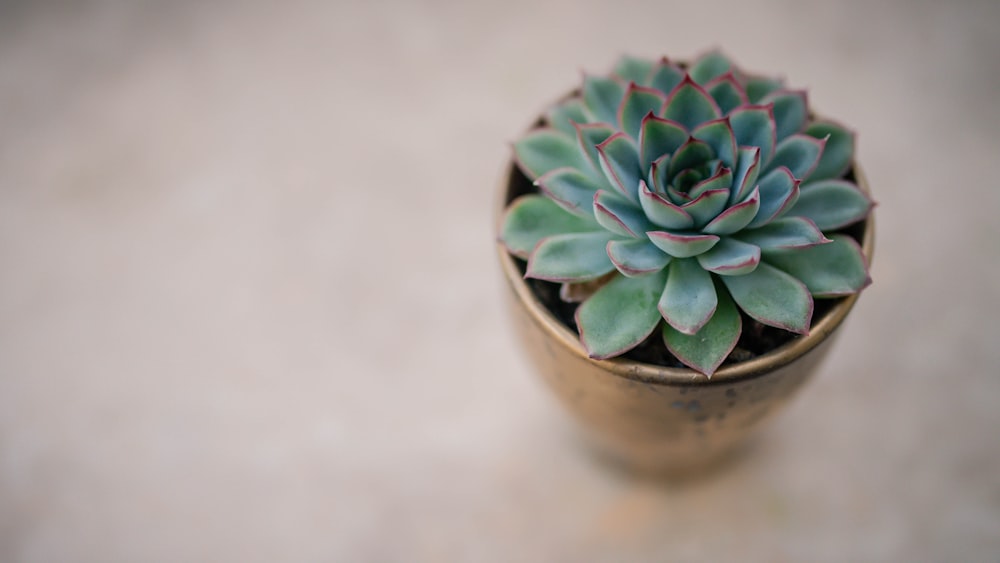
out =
column 656, row 418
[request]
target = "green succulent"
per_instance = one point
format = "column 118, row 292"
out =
column 704, row 191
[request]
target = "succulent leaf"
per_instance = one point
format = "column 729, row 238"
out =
column 689, row 299
column 690, row 105
column 637, row 104
column 718, row 135
column 722, row 180
column 754, row 126
column 571, row 257
column 692, row 153
column 658, row 178
column 772, row 297
column 620, row 315
column 531, row 218
column 708, row 348
column 636, row 257
column 601, row 97
column 837, row 153
column 779, row 191
column 619, row 159
column 799, row 153
column 546, row 149
column 666, row 76
column 562, row 116
column 706, row 206
column 736, row 217
column 745, row 174
column 571, row 189
column 832, row 204
column 620, row 216
column 588, row 136
column 709, row 66
column 633, row 69
column 787, row 232
column 659, row 137
column 730, row 258
column 791, row 110
column 727, row 92
column 760, row 86
column 682, row 245
column 663, row 212
column 828, row 270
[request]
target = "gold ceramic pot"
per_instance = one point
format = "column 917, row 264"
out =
column 656, row 418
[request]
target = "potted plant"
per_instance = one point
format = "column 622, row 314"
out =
column 681, row 241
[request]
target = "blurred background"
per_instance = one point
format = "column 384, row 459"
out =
column 250, row 307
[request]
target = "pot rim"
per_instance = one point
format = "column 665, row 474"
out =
column 663, row 375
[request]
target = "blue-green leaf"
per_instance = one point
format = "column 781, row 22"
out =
column 637, row 257
column 690, row 105
column 706, row 206
column 620, row 216
column 731, row 258
column 727, row 92
column 745, row 174
column 779, row 190
column 760, row 86
column 682, row 245
column 736, row 217
column 688, row 300
column 772, row 297
column 634, row 69
column 799, row 153
column 637, row 104
column 659, row 137
column 663, row 212
column 573, row 257
column 832, row 204
column 571, row 189
column 710, row 66
column 718, row 135
column 828, row 270
column 787, row 232
column 588, row 136
column 619, row 159
column 620, row 315
column 666, row 76
column 563, row 115
column 543, row 150
column 837, row 153
column 531, row 218
column 708, row 348
column 754, row 127
column 722, row 180
column 602, row 96
column 791, row 110
column 691, row 154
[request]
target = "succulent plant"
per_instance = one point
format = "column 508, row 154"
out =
column 693, row 193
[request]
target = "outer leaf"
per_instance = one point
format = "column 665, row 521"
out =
column 689, row 299
column 636, row 257
column 634, row 69
column 837, row 153
column 791, row 110
column 754, row 127
column 690, row 105
column 563, row 115
column 530, row 218
column 708, row 348
column 745, row 174
column 787, row 232
column 828, row 270
column 691, row 153
column 707, row 206
column 779, row 191
column 588, row 136
column 573, row 257
column 571, row 189
column 666, row 76
column 731, row 258
column 727, row 92
column 620, row 315
column 799, row 153
column 543, row 150
column 682, row 245
column 619, row 159
column 718, row 135
column 620, row 216
column 832, row 204
column 637, row 103
column 736, row 217
column 659, row 137
column 601, row 96
column 760, row 86
column 709, row 66
column 662, row 212
column 772, row 297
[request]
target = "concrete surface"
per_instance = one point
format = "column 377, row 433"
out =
column 248, row 298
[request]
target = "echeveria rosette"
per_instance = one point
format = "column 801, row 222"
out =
column 705, row 190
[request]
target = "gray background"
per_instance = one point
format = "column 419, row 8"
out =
column 249, row 304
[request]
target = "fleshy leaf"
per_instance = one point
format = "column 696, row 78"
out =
column 619, row 159
column 723, row 180
column 620, row 315
column 837, row 153
column 799, row 153
column 731, row 258
column 682, row 245
column 563, row 115
column 666, row 76
column 543, row 150
column 832, row 204
column 727, row 92
column 828, row 270
column 718, row 134
column 689, row 299
column 754, row 127
column 772, row 297
column 709, row 347
column 637, row 257
column 637, row 103
column 530, row 218
column 745, row 174
column 588, row 136
column 658, row 179
column 619, row 215
column 791, row 110
column 602, row 96
column 662, row 212
column 572, row 257
column 633, row 69
column 690, row 105
column 710, row 66
column 787, row 232
column 760, row 86
column 736, row 217
column 706, row 206
column 658, row 137
column 692, row 153
column 779, row 191
column 571, row 189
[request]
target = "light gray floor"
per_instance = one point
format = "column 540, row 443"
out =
column 249, row 302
